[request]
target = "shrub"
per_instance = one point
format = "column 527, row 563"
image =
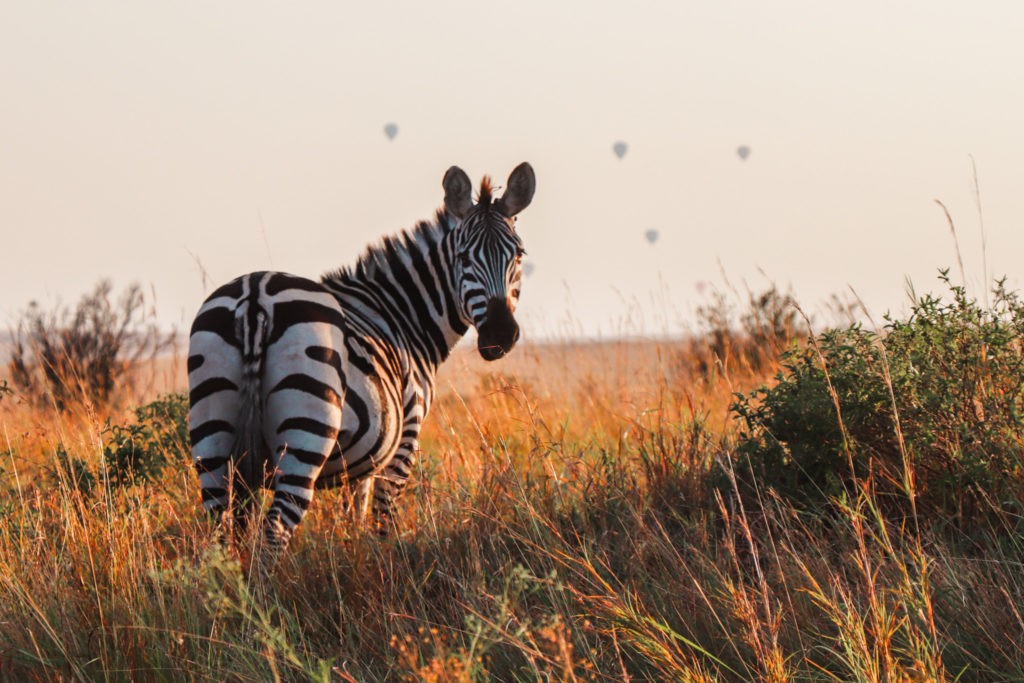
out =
column 753, row 340
column 956, row 373
column 72, row 471
column 90, row 351
column 139, row 451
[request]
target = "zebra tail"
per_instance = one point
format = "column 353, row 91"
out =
column 250, row 453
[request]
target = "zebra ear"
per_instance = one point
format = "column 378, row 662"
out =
column 521, row 184
column 457, row 192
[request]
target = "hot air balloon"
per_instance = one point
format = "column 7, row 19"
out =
column 391, row 130
column 743, row 151
column 528, row 268
column 652, row 236
column 620, row 148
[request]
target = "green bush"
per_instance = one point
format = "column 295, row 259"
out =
column 139, row 451
column 956, row 373
column 72, row 471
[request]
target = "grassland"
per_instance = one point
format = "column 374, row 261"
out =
column 580, row 513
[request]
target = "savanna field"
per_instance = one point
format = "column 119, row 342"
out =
column 773, row 498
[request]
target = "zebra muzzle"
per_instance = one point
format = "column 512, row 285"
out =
column 499, row 332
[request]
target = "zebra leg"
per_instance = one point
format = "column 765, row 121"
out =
column 214, row 377
column 363, row 490
column 244, row 498
column 389, row 485
column 301, row 422
column 298, row 467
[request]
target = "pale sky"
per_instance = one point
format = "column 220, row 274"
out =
column 138, row 138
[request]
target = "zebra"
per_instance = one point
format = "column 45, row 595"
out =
column 296, row 384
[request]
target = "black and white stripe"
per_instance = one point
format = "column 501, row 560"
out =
column 297, row 384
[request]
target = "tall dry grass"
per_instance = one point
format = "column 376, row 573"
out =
column 563, row 525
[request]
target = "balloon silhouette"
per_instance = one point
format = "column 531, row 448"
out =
column 528, row 268
column 652, row 236
column 620, row 148
column 743, row 151
column 391, row 130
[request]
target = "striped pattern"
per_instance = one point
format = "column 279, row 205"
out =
column 297, row 384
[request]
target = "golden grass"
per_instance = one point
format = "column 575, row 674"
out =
column 562, row 526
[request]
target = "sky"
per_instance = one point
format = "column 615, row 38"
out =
column 179, row 145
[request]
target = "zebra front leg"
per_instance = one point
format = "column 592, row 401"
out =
column 389, row 485
column 361, row 498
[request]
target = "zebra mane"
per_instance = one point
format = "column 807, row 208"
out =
column 485, row 192
column 403, row 243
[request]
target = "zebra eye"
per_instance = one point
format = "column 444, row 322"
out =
column 464, row 258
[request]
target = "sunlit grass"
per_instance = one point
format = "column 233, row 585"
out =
column 562, row 525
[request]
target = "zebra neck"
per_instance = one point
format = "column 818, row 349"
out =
column 429, row 292
column 402, row 292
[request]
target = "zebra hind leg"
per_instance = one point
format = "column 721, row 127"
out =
column 246, row 481
column 293, row 484
column 229, row 508
column 215, row 486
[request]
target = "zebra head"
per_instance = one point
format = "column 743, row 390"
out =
column 488, row 255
